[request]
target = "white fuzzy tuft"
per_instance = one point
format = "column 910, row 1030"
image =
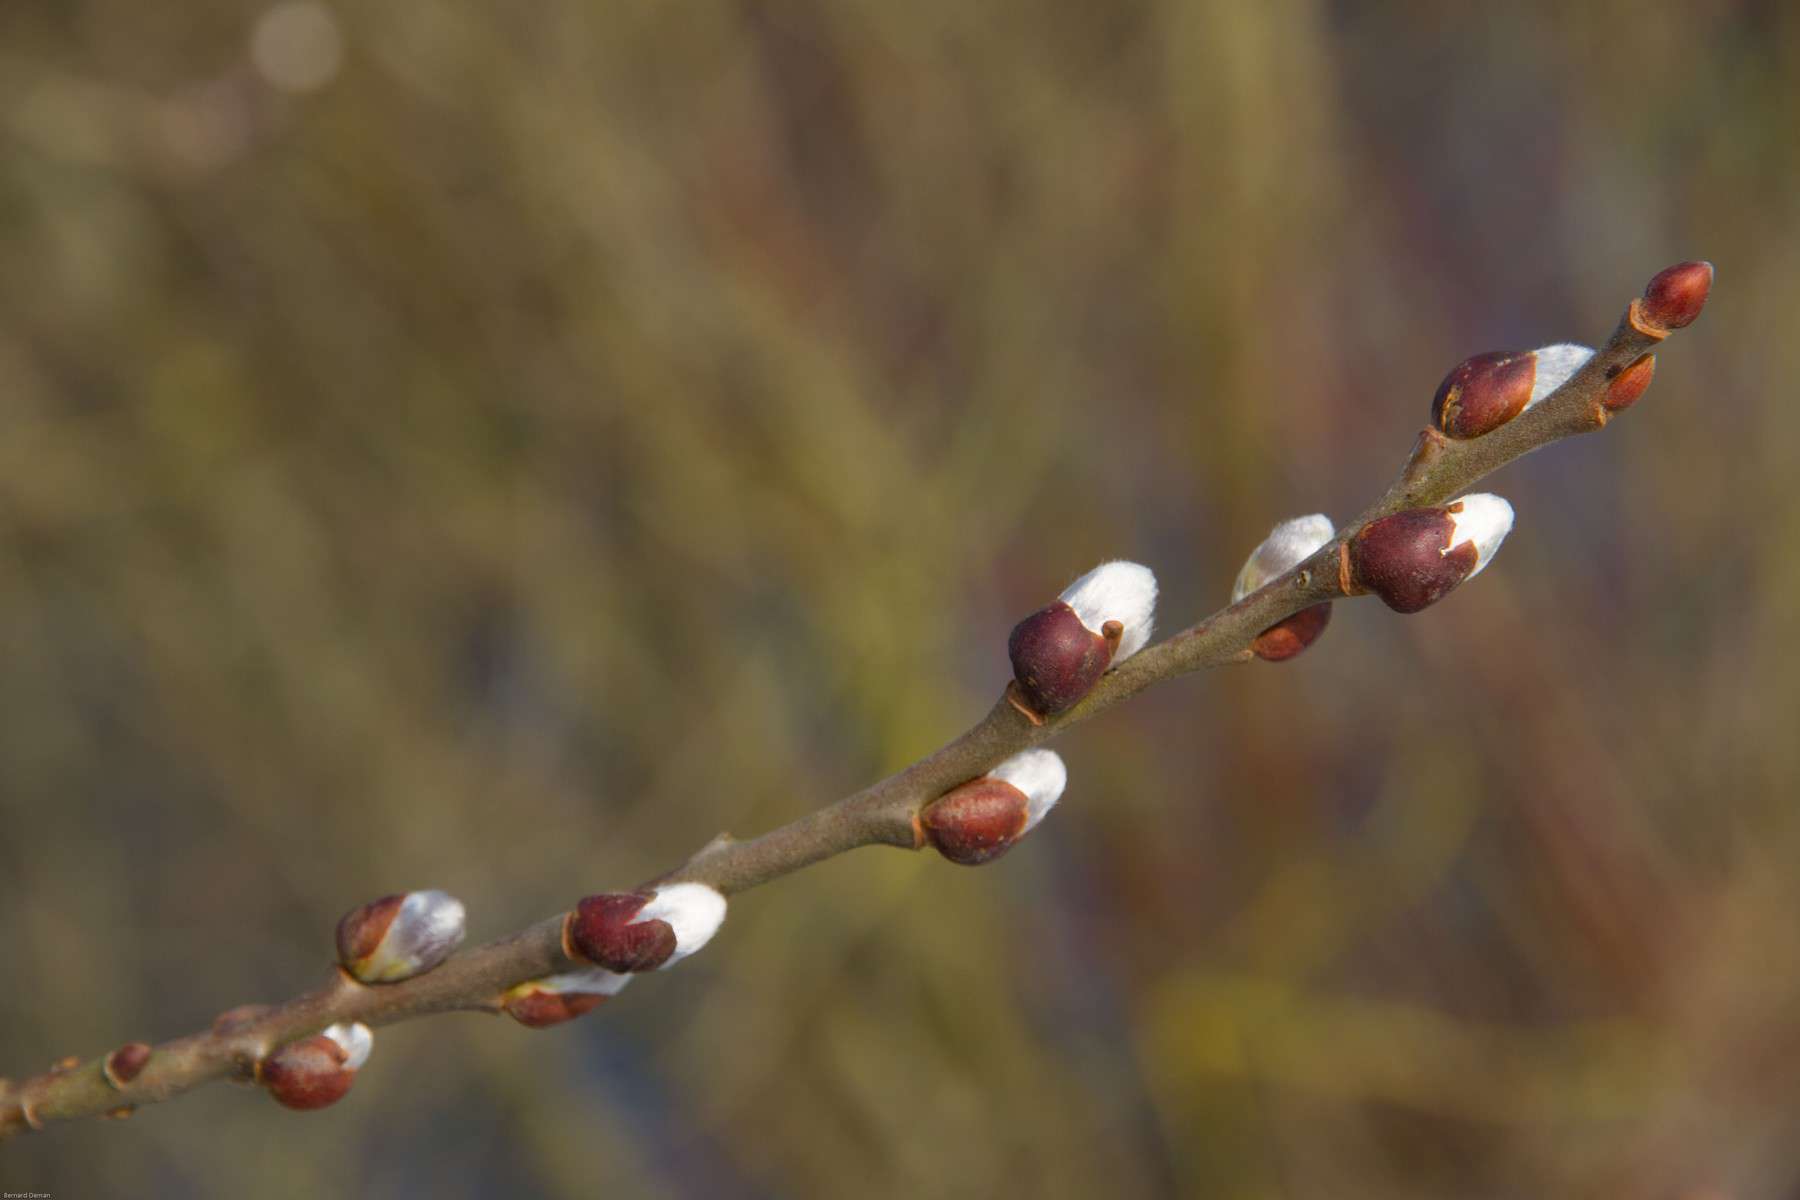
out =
column 1041, row 775
column 1117, row 591
column 1485, row 520
column 429, row 925
column 1556, row 365
column 357, row 1040
column 693, row 910
column 595, row 981
column 1288, row 545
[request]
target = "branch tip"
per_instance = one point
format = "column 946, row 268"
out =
column 1675, row 295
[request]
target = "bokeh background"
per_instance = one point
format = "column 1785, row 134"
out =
column 498, row 447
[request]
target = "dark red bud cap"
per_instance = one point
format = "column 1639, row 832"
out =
column 540, row 1009
column 601, row 931
column 1402, row 559
column 363, row 927
column 1674, row 297
column 1056, row 658
column 1629, row 384
column 977, row 822
column 307, row 1074
column 126, row 1063
column 1483, row 393
column 1284, row 639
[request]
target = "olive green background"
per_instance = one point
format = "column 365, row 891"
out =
column 577, row 428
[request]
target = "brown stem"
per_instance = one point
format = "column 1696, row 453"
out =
column 885, row 813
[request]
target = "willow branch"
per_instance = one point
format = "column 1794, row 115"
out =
column 888, row 812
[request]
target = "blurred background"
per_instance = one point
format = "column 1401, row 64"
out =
column 496, row 448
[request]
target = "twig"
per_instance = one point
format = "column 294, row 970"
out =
column 887, row 813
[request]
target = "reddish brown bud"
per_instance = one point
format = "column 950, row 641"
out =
column 551, row 1001
column 554, row 999
column 1629, row 384
column 1056, row 659
column 307, row 1074
column 1489, row 390
column 126, row 1063
column 399, row 936
column 1402, row 559
column 1413, row 559
column 1284, row 639
column 624, row 932
column 601, row 930
column 538, row 1010
column 1483, row 393
column 986, row 817
column 977, row 822
column 1058, row 653
column 362, row 928
column 1674, row 297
